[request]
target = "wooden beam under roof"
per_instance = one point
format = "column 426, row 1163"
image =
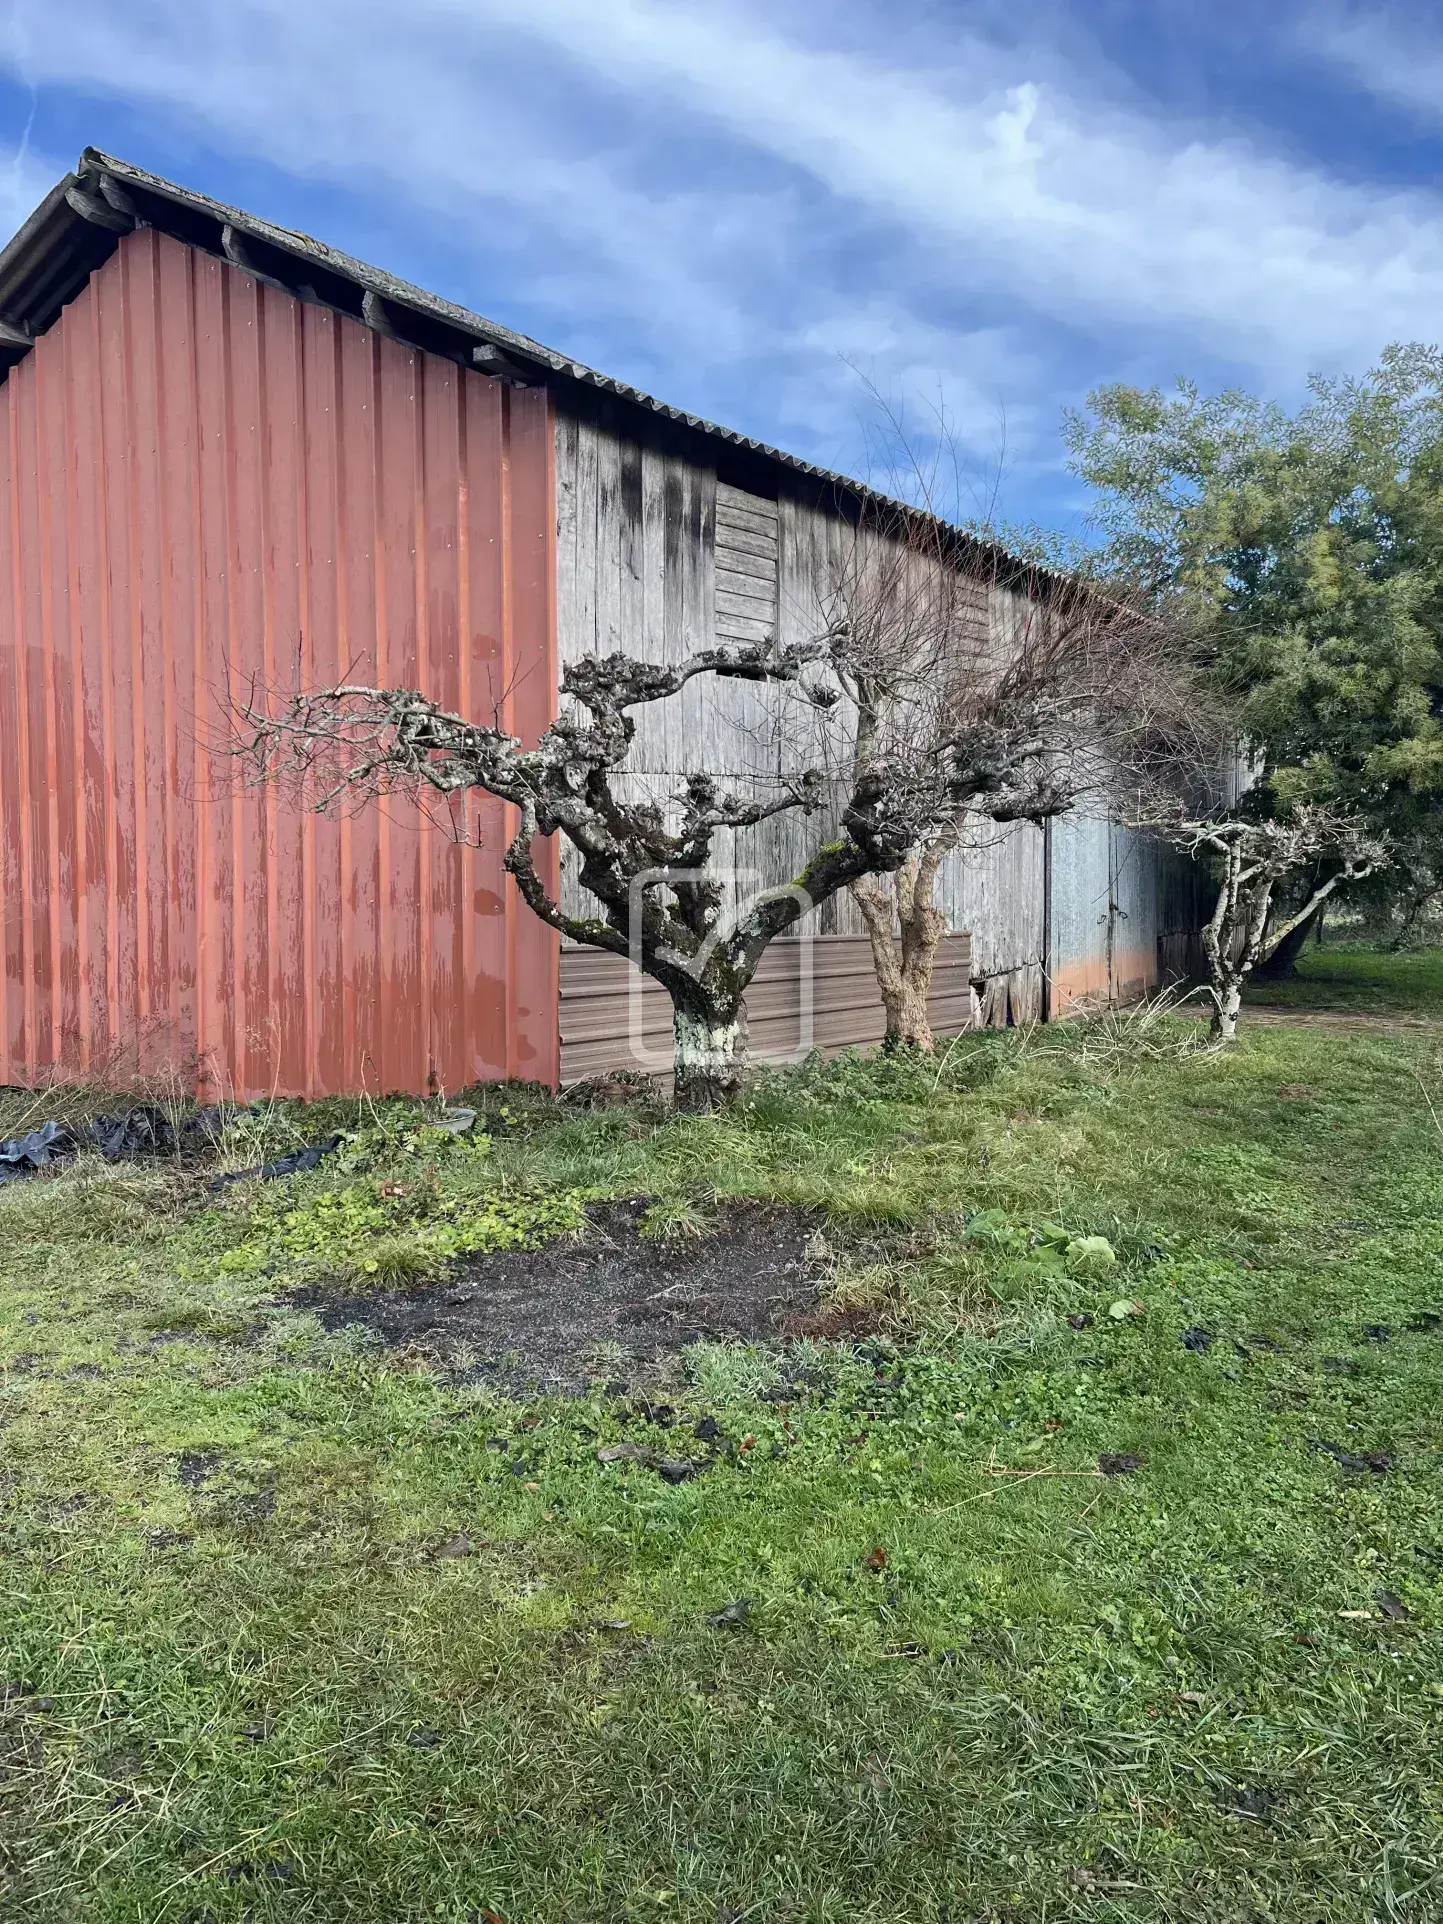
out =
column 98, row 212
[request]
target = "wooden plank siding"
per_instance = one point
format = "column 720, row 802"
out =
column 746, row 566
column 661, row 551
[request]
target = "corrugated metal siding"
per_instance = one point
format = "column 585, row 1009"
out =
column 1126, row 913
column 819, row 994
column 205, row 482
column 1185, row 899
column 1134, row 957
column 1080, row 939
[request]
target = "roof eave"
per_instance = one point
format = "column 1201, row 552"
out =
column 78, row 225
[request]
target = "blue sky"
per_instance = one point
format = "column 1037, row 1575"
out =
column 763, row 212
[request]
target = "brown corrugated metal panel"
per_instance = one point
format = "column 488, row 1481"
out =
column 206, row 482
column 614, row 1018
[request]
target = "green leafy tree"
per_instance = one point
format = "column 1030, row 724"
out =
column 1307, row 551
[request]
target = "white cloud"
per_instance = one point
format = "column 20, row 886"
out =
column 1079, row 212
column 419, row 110
column 704, row 200
column 870, row 376
column 1067, row 206
column 1393, row 59
column 324, row 92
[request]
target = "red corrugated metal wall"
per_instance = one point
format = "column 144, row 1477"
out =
column 204, row 480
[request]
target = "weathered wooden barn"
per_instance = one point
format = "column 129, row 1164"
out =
column 231, row 454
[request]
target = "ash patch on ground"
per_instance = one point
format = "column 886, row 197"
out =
column 609, row 1301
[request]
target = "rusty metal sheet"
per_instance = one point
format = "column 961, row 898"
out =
column 204, row 482
column 1125, row 913
column 1081, row 925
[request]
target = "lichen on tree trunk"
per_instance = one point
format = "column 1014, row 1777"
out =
column 709, row 1058
column 1226, row 1006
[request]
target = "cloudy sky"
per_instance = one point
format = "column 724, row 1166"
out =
column 767, row 212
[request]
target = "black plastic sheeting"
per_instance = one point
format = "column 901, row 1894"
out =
column 23, row 1155
column 145, row 1131
column 150, row 1131
column 284, row 1165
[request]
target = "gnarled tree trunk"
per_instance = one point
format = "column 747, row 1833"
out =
column 1253, row 856
column 932, row 716
column 906, row 928
column 709, row 1057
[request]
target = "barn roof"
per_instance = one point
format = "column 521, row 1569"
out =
column 78, row 225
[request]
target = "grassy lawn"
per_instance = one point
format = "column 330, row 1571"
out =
column 1349, row 977
column 297, row 1627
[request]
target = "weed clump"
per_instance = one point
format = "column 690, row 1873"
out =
column 672, row 1219
column 393, row 1233
column 402, row 1198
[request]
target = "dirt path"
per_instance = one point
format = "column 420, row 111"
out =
column 1278, row 1015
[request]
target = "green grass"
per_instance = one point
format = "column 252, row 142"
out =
column 1349, row 977
column 975, row 1679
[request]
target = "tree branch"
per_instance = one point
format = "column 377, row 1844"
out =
column 609, row 684
column 519, row 862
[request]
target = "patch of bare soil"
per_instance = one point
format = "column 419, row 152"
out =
column 1282, row 1015
column 1345, row 1021
column 608, row 1303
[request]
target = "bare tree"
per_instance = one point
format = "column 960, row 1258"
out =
column 652, row 869
column 1067, row 695
column 1253, row 856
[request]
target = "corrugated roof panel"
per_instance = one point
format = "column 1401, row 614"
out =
column 53, row 255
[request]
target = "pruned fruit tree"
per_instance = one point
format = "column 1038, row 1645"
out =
column 1254, row 857
column 900, row 756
